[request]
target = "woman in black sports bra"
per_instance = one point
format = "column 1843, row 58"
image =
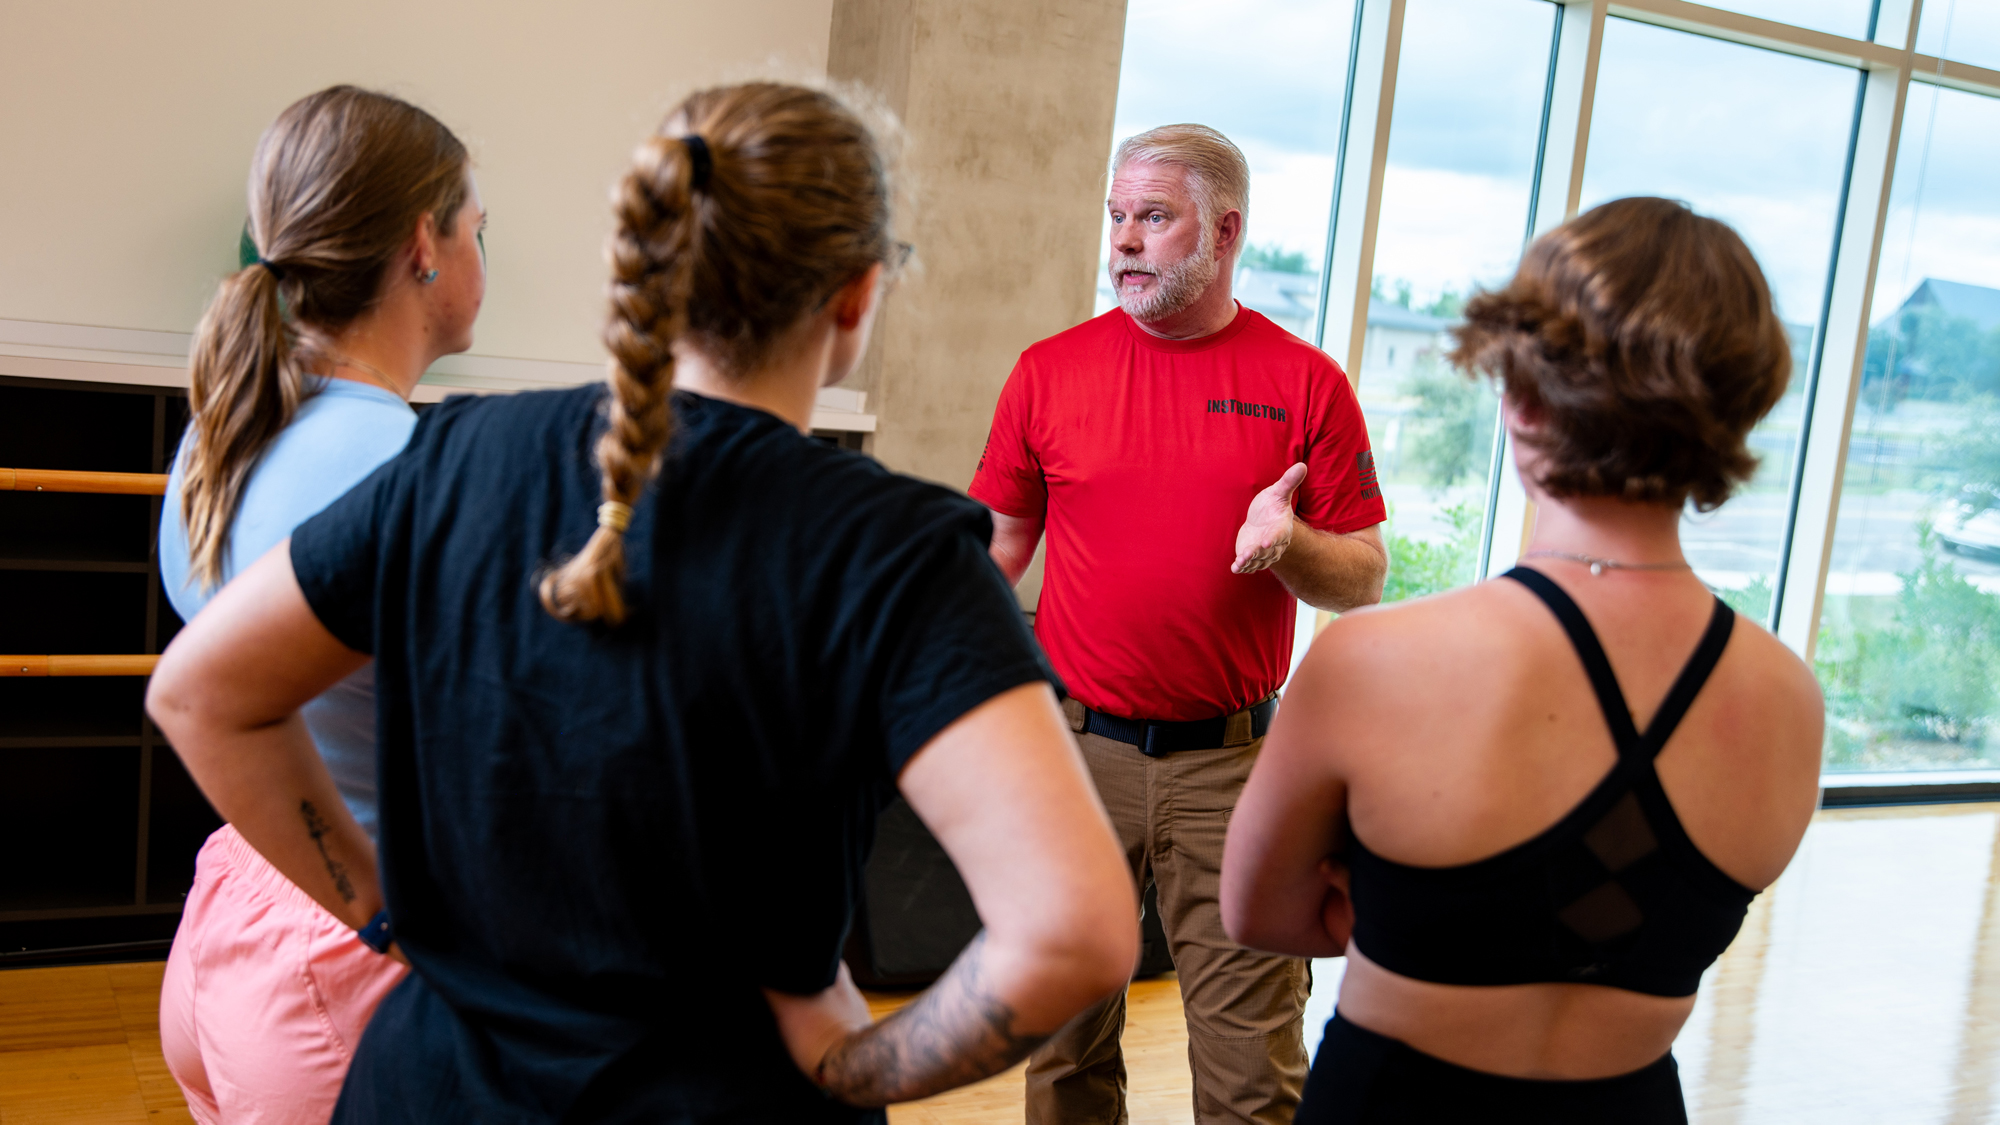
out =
column 1533, row 811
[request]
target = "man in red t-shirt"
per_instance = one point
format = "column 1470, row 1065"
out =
column 1198, row 470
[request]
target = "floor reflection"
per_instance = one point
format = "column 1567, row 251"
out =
column 1865, row 986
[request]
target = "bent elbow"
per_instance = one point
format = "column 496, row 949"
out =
column 1235, row 920
column 1114, row 957
column 166, row 701
column 1262, row 921
column 1092, row 956
column 1377, row 582
column 1242, row 924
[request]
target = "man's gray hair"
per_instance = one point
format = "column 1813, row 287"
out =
column 1218, row 176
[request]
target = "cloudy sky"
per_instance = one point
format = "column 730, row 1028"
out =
column 1752, row 137
column 1967, row 30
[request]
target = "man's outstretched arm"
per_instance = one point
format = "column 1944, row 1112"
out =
column 1329, row 570
column 1334, row 571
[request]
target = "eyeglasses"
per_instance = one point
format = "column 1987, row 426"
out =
column 899, row 256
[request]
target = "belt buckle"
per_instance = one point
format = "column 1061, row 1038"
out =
column 1146, row 746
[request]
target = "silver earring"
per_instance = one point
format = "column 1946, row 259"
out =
column 427, row 276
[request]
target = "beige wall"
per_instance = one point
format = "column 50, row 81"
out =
column 126, row 129
column 1008, row 110
column 128, row 126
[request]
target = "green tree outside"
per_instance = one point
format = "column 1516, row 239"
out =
column 1912, row 681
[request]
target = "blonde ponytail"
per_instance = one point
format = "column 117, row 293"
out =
column 748, row 209
column 244, row 387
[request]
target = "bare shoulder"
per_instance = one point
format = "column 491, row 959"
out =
column 1468, row 615
column 1769, row 677
column 1778, row 659
column 1744, row 779
column 1379, row 641
column 1386, row 661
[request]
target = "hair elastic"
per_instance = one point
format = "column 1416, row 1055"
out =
column 699, row 158
column 276, row 273
column 614, row 515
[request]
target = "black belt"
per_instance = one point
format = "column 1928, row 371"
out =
column 1157, row 739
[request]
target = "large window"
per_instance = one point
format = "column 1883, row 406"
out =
column 1758, row 140
column 1963, row 30
column 1401, row 150
column 1456, row 194
column 1909, row 646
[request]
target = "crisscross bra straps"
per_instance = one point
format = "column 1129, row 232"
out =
column 1614, row 893
column 1632, row 744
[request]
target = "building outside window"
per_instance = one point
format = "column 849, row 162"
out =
column 1909, row 643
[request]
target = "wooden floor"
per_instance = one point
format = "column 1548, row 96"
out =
column 1865, row 987
column 83, row 1045
column 1155, row 1062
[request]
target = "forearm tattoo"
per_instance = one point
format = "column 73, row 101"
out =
column 956, row 1032
column 319, row 829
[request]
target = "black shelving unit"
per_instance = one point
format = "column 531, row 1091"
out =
column 99, row 824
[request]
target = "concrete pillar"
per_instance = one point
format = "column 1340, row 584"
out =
column 1007, row 107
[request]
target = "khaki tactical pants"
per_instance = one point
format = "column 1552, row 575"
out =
column 1245, row 1010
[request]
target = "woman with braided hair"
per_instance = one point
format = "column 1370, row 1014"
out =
column 650, row 661
column 367, row 224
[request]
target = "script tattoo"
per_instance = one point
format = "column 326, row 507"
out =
column 955, row 1033
column 319, row 829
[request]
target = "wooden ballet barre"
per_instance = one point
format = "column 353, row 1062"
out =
column 60, row 480
column 135, row 664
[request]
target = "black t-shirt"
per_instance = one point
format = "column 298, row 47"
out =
column 597, row 844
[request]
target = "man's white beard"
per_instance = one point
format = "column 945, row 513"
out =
column 1180, row 283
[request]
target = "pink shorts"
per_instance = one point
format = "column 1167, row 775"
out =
column 265, row 994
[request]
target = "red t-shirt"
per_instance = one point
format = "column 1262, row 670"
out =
column 1144, row 455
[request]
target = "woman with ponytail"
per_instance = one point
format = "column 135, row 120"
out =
column 366, row 222
column 649, row 661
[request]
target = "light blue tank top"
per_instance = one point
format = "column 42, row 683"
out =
column 338, row 437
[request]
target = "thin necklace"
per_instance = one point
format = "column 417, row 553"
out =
column 1599, row 566
column 348, row 361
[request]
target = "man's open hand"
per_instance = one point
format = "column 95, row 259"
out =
column 1267, row 529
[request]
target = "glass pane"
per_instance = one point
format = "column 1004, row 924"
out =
column 1271, row 75
column 1455, row 195
column 1909, row 643
column 1892, row 22
column 1961, row 30
column 1758, row 140
column 1836, row 17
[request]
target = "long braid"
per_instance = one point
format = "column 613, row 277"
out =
column 742, row 216
column 652, row 262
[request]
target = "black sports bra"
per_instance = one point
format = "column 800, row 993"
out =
column 1614, row 894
